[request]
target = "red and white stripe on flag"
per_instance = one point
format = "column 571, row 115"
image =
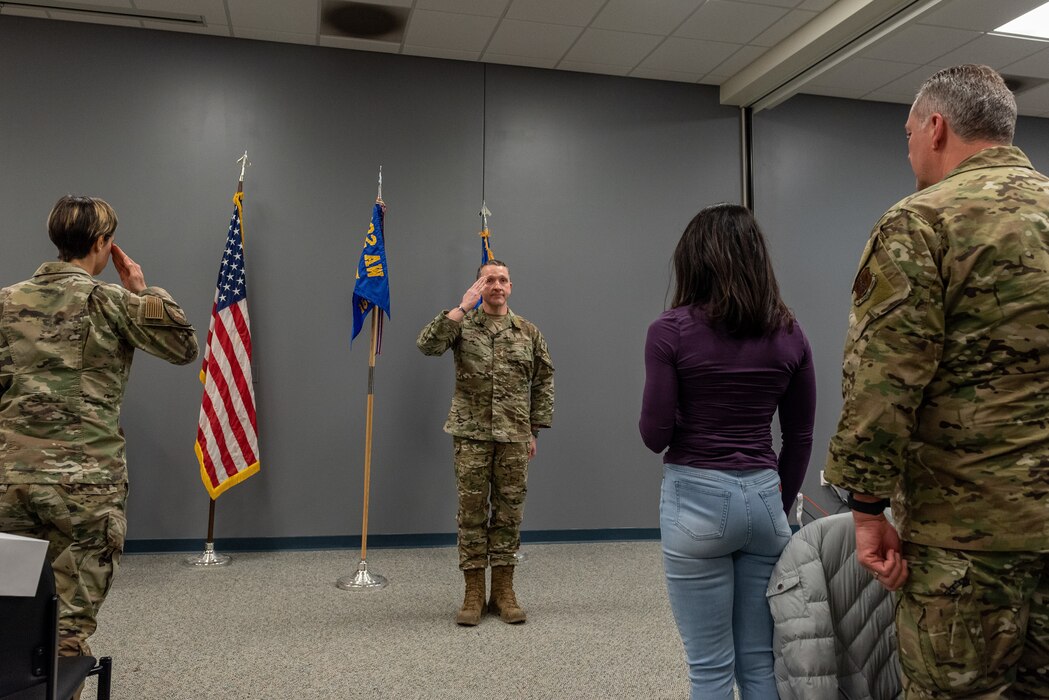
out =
column 227, row 440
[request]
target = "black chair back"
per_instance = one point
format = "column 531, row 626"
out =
column 29, row 665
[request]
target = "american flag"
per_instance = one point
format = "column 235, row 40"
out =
column 227, row 441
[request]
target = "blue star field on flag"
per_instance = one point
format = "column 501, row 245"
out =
column 232, row 284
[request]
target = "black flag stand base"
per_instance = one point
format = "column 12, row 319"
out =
column 208, row 558
column 362, row 580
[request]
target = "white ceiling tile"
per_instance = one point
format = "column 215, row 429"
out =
column 738, row 61
column 270, row 35
column 673, row 75
column 22, row 12
column 688, row 55
column 435, row 52
column 601, row 46
column 817, row 5
column 861, row 74
column 444, row 30
column 529, row 61
column 213, row 11
column 733, row 22
column 994, row 51
column 981, row 15
column 486, row 8
column 96, row 3
column 846, row 92
column 784, row 27
column 1034, row 66
column 585, row 67
column 777, row 3
column 296, row 18
column 1034, row 101
column 576, row 12
column 94, row 19
column 885, row 96
column 519, row 38
column 908, row 83
column 660, row 17
column 209, row 29
column 920, row 43
column 348, row 42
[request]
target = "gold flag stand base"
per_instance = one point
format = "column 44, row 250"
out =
column 208, row 558
column 363, row 580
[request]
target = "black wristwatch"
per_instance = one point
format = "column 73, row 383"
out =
column 875, row 508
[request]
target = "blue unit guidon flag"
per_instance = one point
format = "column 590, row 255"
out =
column 372, row 288
column 227, row 440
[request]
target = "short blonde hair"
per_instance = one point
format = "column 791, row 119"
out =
column 76, row 222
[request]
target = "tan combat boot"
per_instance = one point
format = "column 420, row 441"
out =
column 473, row 600
column 503, row 601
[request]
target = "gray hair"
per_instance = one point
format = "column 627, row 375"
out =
column 974, row 100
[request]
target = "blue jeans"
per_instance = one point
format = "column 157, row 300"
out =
column 722, row 532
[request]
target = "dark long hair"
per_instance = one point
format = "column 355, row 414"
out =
column 722, row 264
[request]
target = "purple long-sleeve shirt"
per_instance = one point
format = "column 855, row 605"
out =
column 709, row 398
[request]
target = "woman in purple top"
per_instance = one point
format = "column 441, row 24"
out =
column 718, row 365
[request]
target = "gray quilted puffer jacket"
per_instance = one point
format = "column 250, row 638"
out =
column 834, row 633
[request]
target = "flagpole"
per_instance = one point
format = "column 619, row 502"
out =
column 368, row 435
column 362, row 579
column 209, row 557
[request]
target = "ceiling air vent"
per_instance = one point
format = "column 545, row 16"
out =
column 362, row 20
column 1022, row 83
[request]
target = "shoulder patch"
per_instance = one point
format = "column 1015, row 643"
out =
column 863, row 286
column 177, row 315
column 154, row 310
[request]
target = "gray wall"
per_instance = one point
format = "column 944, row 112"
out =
column 591, row 180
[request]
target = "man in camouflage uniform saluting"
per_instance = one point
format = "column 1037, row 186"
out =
column 66, row 344
column 946, row 387
column 504, row 393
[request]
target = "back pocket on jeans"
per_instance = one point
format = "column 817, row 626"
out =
column 773, row 500
column 701, row 512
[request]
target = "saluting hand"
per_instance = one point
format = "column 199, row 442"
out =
column 472, row 295
column 130, row 271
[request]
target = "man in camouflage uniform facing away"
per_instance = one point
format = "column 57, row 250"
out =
column 66, row 344
column 504, row 393
column 946, row 387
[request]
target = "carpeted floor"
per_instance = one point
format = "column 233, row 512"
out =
column 275, row 626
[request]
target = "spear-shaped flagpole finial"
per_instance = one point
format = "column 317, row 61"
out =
column 243, row 160
column 484, row 215
column 378, row 198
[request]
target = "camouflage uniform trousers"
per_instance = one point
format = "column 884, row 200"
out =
column 495, row 471
column 974, row 624
column 85, row 525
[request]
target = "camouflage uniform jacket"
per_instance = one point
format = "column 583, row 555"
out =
column 66, row 344
column 946, row 371
column 504, row 380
